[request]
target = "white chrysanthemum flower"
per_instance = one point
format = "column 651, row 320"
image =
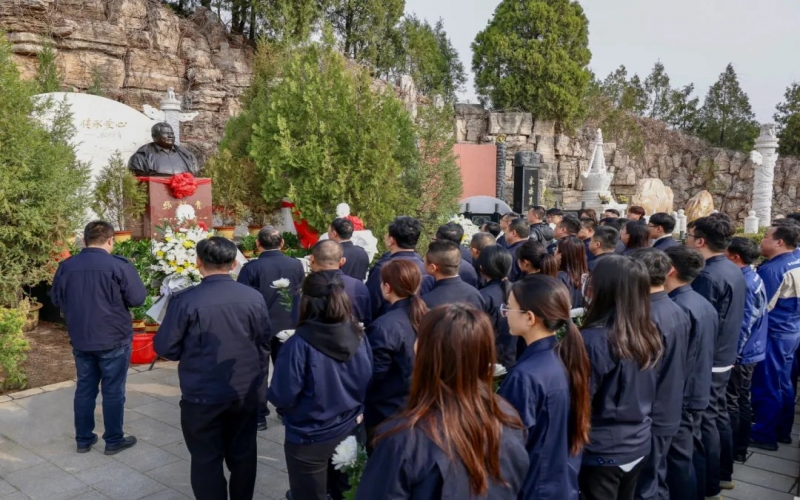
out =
column 346, row 453
column 576, row 313
column 281, row 283
column 284, row 335
column 184, row 213
column 499, row 370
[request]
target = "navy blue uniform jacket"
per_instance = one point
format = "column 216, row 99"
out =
column 700, row 351
column 408, row 465
column 722, row 284
column 505, row 343
column 357, row 263
column 673, row 323
column 320, row 381
column 516, row 273
column 665, row 242
column 538, row 387
column 391, row 338
column 377, row 302
column 467, row 273
column 451, row 291
column 593, row 263
column 465, row 254
column 357, row 292
column 622, row 400
column 270, row 266
column 620, row 248
column 219, row 331
column 94, row 290
column 589, row 255
column 575, row 294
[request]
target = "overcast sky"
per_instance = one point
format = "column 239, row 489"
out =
column 694, row 39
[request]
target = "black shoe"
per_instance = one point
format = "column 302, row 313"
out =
column 127, row 442
column 763, row 446
column 88, row 447
column 262, row 426
column 740, row 457
column 785, row 440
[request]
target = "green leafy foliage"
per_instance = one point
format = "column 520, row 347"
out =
column 431, row 59
column 43, row 188
column 248, row 243
column 608, row 105
column 233, row 186
column 140, row 254
column 48, row 77
column 788, row 120
column 726, row 119
column 119, row 198
column 683, row 109
column 656, row 85
column 140, row 313
column 13, row 347
column 533, row 56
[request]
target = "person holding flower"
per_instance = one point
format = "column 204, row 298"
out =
column 319, row 387
column 456, row 438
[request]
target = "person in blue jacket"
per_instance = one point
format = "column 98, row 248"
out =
column 572, row 267
column 326, row 257
column 494, row 264
column 392, row 338
column 271, row 266
column 356, row 258
column 687, row 263
column 723, row 285
column 549, row 387
column 401, row 239
column 661, row 226
column 604, row 243
column 456, row 438
column 504, row 220
column 455, row 233
column 568, row 226
column 532, row 258
column 624, row 348
column 441, row 262
column 319, row 387
column 588, row 226
column 516, row 234
column 635, row 235
column 674, row 325
column 94, row 291
column 752, row 349
column 773, row 395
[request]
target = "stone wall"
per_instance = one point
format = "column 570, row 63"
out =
column 684, row 163
column 135, row 50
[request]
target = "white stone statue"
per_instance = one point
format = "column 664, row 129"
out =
column 170, row 111
column 362, row 238
column 597, row 181
column 681, row 222
column 751, row 223
column 764, row 158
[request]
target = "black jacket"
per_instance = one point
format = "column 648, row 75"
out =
column 664, row 243
column 377, row 302
column 597, row 258
column 357, row 263
column 541, row 232
column 270, row 266
column 465, row 254
column 451, row 291
column 575, row 293
column 516, row 273
column 505, row 343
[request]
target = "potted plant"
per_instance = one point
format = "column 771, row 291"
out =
column 119, row 197
column 248, row 246
column 150, row 326
column 232, row 188
column 31, row 309
column 138, row 316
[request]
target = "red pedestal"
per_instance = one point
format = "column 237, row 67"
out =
column 161, row 206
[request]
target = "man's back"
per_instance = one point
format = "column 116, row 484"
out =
column 451, row 291
column 270, row 266
column 356, row 261
column 781, row 277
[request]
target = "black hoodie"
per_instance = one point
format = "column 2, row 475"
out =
column 336, row 340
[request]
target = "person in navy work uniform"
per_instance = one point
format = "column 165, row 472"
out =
column 585, row 234
column 326, row 257
column 624, row 348
column 401, row 239
column 456, row 438
column 94, row 290
column 687, row 264
column 568, row 226
column 319, row 387
column 618, row 223
column 455, row 233
column 356, row 262
column 504, row 220
column 634, row 234
column 571, row 257
column 674, row 325
column 441, row 262
column 549, row 387
column 660, row 226
column 270, row 266
column 723, row 285
column 532, row 258
column 494, row 265
column 604, row 243
column 219, row 332
column 392, row 338
column 516, row 234
column 773, row 394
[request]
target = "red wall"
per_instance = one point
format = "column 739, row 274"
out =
column 478, row 167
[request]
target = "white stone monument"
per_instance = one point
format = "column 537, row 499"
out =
column 680, row 226
column 764, row 158
column 170, row 111
column 597, row 180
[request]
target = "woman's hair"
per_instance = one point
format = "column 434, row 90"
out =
column 620, row 299
column 588, row 213
column 404, row 278
column 638, row 235
column 573, row 259
column 536, row 254
column 495, row 262
column 324, row 300
column 451, row 398
column 549, row 300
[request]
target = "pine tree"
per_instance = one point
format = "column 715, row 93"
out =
column 658, row 93
column 683, row 109
column 788, row 120
column 48, row 78
column 726, row 119
column 430, row 59
column 634, row 98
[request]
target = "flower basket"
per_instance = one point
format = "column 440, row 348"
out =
column 120, row 236
column 32, row 318
column 225, row 231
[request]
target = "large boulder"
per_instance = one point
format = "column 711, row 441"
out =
column 699, row 205
column 653, row 195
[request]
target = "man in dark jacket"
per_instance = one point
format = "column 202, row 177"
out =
column 219, row 331
column 325, row 258
column 94, row 290
column 516, row 233
column 686, row 266
column 722, row 284
column 504, row 220
column 603, row 243
column 569, row 226
column 540, row 231
column 441, row 262
column 585, row 234
column 661, row 226
column 455, row 233
column 356, row 262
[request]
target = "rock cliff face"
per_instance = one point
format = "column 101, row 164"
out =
column 684, row 163
column 134, row 50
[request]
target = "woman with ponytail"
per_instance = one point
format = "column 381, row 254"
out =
column 549, row 386
column 392, row 337
column 494, row 264
column 533, row 258
column 572, row 266
column 456, row 438
column 319, row 386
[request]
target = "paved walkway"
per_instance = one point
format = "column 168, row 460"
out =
column 38, row 459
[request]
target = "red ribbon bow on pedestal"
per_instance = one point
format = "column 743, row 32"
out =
column 180, row 185
column 305, row 233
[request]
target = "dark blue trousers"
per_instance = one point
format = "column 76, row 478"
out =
column 654, row 471
column 773, row 394
column 714, row 426
column 106, row 371
column 681, row 480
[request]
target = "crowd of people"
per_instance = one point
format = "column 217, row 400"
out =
column 638, row 367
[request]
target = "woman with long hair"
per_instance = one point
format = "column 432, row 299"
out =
column 624, row 347
column 533, row 258
column 392, row 337
column 572, row 266
column 634, row 235
column 319, row 386
column 456, row 438
column 549, row 386
column 494, row 264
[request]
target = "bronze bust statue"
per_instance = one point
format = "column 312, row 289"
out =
column 162, row 157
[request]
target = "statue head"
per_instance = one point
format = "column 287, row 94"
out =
column 163, row 135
